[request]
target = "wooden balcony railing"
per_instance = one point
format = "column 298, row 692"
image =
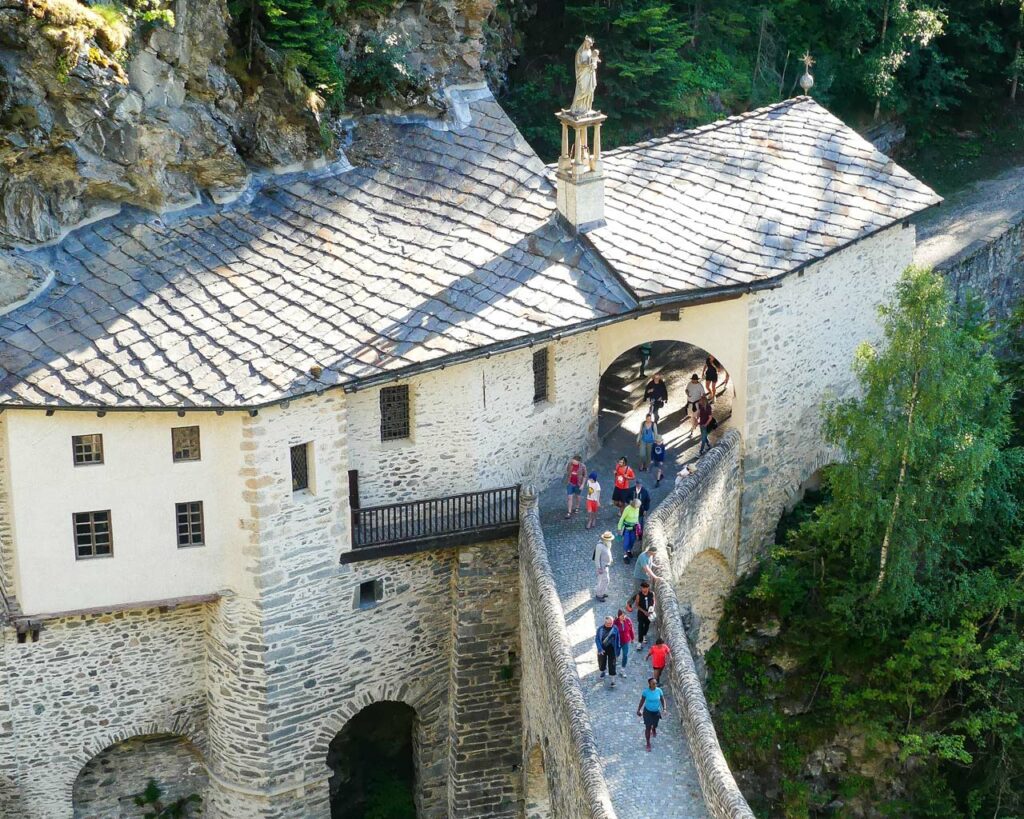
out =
column 456, row 519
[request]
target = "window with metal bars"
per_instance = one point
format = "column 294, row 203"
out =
column 540, row 375
column 300, row 467
column 87, row 449
column 191, row 528
column 394, row 412
column 93, row 534
column 185, row 443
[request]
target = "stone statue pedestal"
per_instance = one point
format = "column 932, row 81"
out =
column 580, row 179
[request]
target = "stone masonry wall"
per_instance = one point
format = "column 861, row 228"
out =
column 682, row 527
column 485, row 712
column 554, row 713
column 475, row 426
column 6, row 543
column 110, row 780
column 89, row 682
column 802, row 337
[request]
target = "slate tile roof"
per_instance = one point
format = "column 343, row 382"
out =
column 451, row 247
column 751, row 197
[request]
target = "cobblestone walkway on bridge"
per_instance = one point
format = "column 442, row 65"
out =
column 662, row 783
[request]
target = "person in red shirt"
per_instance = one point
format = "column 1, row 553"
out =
column 625, row 627
column 658, row 654
column 575, row 477
column 624, row 477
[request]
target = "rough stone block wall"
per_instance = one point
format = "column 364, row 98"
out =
column 109, row 782
column 89, row 682
column 992, row 269
column 679, row 527
column 802, row 337
column 485, row 728
column 475, row 426
column 7, row 601
column 554, row 713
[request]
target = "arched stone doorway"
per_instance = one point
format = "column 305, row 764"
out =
column 373, row 763
column 108, row 783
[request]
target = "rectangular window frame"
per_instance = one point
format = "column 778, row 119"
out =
column 194, row 522
column 395, row 413
column 299, row 461
column 80, row 456
column 89, row 527
column 542, row 375
column 182, row 451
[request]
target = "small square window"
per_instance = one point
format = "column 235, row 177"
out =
column 540, row 375
column 670, row 315
column 185, row 443
column 88, row 449
column 371, row 592
column 93, row 535
column 394, row 412
column 191, row 531
column 300, row 467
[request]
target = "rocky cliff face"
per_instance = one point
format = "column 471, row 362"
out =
column 98, row 110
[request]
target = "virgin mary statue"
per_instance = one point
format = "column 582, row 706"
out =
column 587, row 59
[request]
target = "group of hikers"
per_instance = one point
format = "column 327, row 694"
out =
column 616, row 634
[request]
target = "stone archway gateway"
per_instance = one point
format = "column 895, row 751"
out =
column 109, row 782
column 373, row 763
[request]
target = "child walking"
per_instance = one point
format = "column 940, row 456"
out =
column 658, row 459
column 593, row 499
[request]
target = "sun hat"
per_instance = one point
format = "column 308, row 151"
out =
column 607, row 536
column 695, row 377
column 660, row 439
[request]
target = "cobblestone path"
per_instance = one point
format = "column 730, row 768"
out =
column 662, row 783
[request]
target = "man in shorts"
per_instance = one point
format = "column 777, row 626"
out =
column 575, row 477
column 658, row 655
column 652, row 709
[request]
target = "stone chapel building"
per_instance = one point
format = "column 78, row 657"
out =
column 220, row 428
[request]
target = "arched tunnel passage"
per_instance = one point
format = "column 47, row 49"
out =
column 373, row 764
column 623, row 394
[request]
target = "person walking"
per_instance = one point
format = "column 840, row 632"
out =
column 593, row 499
column 607, row 642
column 644, row 568
column 602, row 564
column 652, row 709
column 644, row 351
column 575, row 474
column 641, row 494
column 704, row 421
column 710, row 376
column 658, row 453
column 625, row 628
column 656, row 393
column 643, row 602
column 693, row 391
column 645, row 439
column 659, row 655
column 624, row 477
column 628, row 521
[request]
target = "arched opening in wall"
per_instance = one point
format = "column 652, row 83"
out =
column 538, row 797
column 109, row 783
column 373, row 764
column 704, row 585
column 631, row 380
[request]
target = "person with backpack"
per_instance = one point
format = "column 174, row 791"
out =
column 645, row 439
column 656, row 393
column 593, row 499
column 651, row 708
column 658, row 453
column 643, row 602
column 575, row 475
column 625, row 627
column 602, row 564
column 629, row 520
column 607, row 642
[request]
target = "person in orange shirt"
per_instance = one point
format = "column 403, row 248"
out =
column 658, row 654
column 624, row 477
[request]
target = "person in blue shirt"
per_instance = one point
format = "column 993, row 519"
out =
column 658, row 459
column 651, row 708
column 607, row 642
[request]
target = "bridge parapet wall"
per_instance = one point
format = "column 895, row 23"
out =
column 701, row 513
column 554, row 713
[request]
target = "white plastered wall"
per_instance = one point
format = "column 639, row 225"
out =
column 140, row 484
